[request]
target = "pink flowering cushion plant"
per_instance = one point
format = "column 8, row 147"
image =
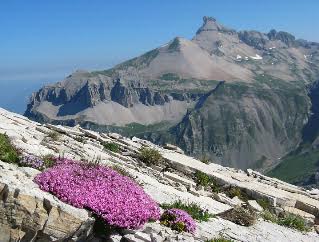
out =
column 179, row 220
column 116, row 198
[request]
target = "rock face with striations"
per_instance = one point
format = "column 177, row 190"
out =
column 256, row 115
column 29, row 214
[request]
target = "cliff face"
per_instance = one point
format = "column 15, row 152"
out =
column 243, row 126
column 257, row 116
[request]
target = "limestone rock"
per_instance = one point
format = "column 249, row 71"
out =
column 254, row 205
column 28, row 213
column 20, row 198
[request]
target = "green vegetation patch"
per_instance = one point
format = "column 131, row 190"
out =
column 294, row 221
column 264, row 203
column 192, row 209
column 288, row 220
column 48, row 160
column 7, row 151
column 236, row 192
column 296, row 168
column 205, row 160
column 150, row 156
column 111, row 146
column 53, row 135
column 202, row 179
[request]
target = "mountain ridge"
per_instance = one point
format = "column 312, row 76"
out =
column 264, row 98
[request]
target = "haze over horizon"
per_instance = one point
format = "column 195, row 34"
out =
column 49, row 40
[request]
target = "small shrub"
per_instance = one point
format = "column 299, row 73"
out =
column 150, row 156
column 178, row 220
column 205, row 160
column 219, row 239
column 237, row 192
column 215, row 187
column 111, row 146
column 264, row 203
column 234, row 192
column 7, row 152
column 53, row 135
column 80, row 139
column 241, row 216
column 48, row 160
column 115, row 198
column 202, row 179
column 268, row 216
column 287, row 220
column 293, row 221
column 191, row 208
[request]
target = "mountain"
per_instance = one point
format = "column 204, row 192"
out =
column 238, row 98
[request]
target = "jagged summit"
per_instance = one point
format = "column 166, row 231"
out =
column 211, row 24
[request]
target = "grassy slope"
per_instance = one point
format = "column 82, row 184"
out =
column 297, row 168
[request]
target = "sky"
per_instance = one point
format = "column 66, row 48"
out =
column 47, row 40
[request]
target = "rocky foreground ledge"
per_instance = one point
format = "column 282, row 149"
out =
column 29, row 214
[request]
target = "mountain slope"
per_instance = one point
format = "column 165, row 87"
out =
column 255, row 116
column 239, row 125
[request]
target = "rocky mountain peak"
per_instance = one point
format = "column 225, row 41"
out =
column 283, row 36
column 211, row 24
column 208, row 19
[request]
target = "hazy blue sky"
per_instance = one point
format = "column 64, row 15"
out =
column 49, row 39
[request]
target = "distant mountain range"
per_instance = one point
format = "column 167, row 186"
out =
column 241, row 99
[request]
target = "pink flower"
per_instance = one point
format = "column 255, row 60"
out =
column 174, row 217
column 116, row 198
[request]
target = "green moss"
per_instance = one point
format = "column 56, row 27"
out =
column 111, row 146
column 150, row 156
column 7, row 152
column 192, row 209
